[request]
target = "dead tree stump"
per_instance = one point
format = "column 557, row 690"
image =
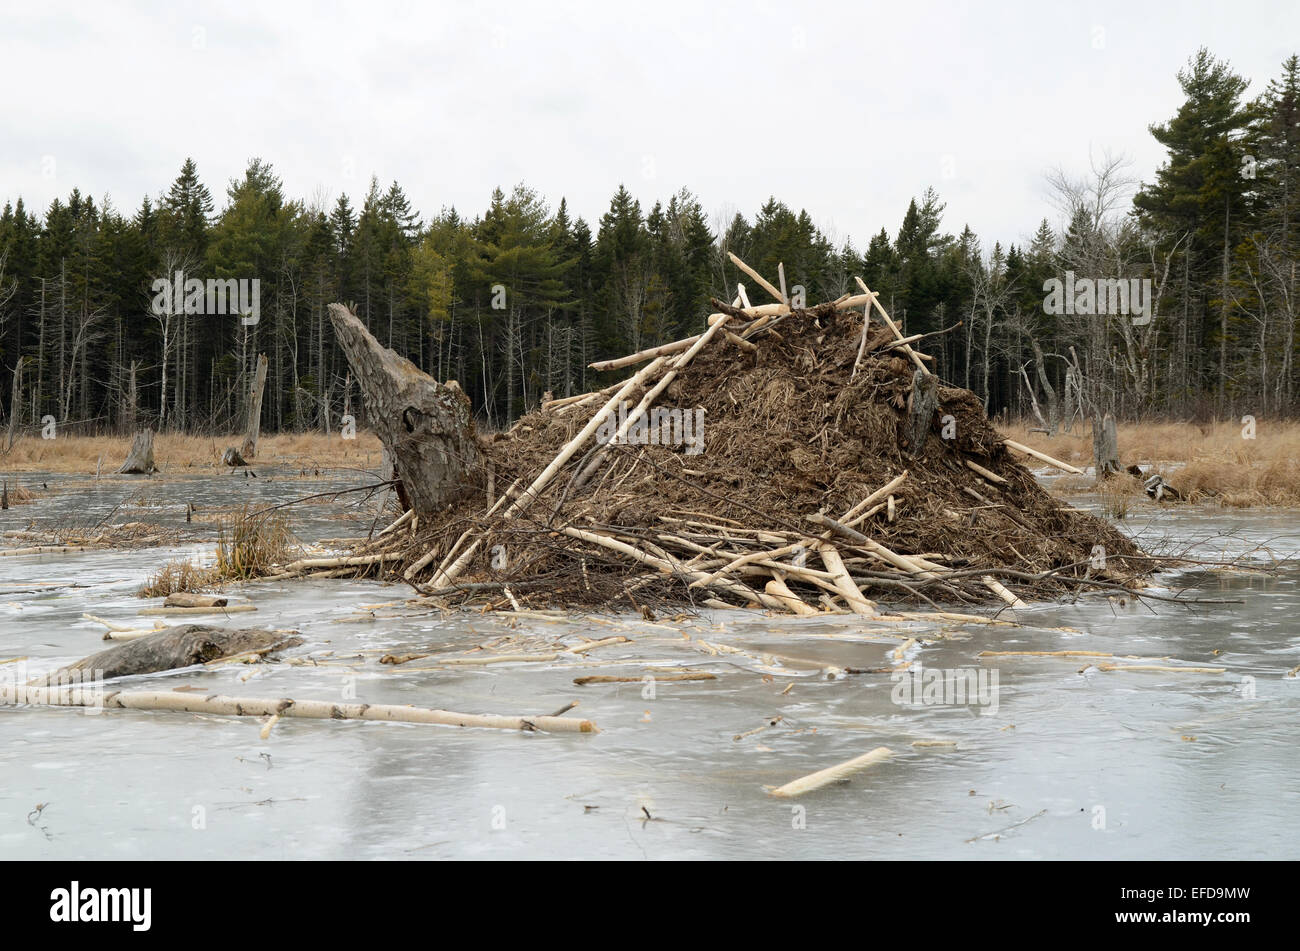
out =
column 140, row 459
column 426, row 427
column 923, row 402
column 1105, row 447
column 254, row 431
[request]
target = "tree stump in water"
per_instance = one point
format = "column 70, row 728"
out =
column 172, row 648
column 922, row 404
column 1105, row 447
column 140, row 460
column 249, row 449
column 426, row 427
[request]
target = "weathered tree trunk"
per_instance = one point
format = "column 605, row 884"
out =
column 426, row 427
column 249, row 449
column 1105, row 447
column 140, row 460
column 15, row 403
column 924, row 401
column 132, row 398
column 172, row 648
column 1049, row 391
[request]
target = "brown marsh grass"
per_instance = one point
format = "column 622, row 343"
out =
column 250, row 545
column 181, row 575
column 1205, row 461
column 177, row 452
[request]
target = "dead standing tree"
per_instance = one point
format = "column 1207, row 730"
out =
column 15, row 404
column 245, row 454
column 254, row 431
column 426, row 426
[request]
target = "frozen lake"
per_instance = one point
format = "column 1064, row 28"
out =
column 1063, row 760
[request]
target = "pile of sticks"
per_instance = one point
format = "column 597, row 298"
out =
column 819, row 564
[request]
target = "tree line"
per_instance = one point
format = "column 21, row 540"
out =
column 514, row 302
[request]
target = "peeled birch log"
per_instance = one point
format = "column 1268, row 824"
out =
column 1163, row 669
column 651, row 395
column 831, row 774
column 848, row 590
column 658, row 678
column 778, row 589
column 426, row 426
column 667, row 349
column 451, row 568
column 852, row 517
column 1002, row 591
column 758, row 278
column 228, row 609
column 991, row 476
column 889, row 322
column 592, row 645
column 1042, row 457
column 282, row 707
column 667, row 567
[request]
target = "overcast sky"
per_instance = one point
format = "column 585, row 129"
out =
column 845, row 109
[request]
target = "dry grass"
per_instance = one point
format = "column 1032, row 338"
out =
column 249, row 545
column 14, row 493
column 1211, row 461
column 181, row 575
column 174, row 452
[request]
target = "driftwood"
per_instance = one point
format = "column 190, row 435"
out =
column 658, row 678
column 172, row 648
column 1042, row 457
column 831, row 774
column 426, row 426
column 140, row 460
column 184, row 599
column 281, row 707
column 224, row 609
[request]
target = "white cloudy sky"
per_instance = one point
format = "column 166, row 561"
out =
column 846, row 109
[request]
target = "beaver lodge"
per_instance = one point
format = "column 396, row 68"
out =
column 798, row 459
